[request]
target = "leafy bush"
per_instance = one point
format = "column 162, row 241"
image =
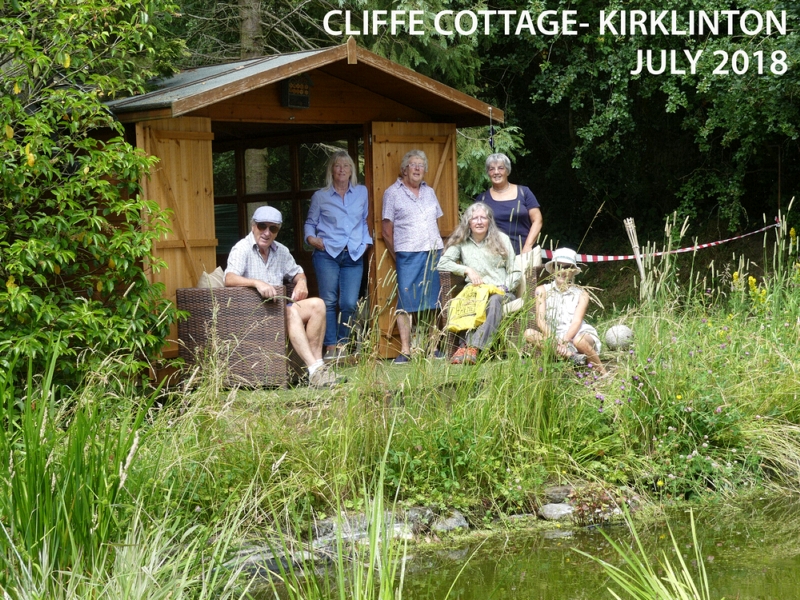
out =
column 76, row 238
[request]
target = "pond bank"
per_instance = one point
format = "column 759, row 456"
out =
column 750, row 552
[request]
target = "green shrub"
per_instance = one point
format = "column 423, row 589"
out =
column 76, row 238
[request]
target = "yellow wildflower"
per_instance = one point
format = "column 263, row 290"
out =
column 660, row 483
column 679, row 397
column 792, row 233
column 736, row 277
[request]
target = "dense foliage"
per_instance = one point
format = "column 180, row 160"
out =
column 722, row 148
column 76, row 237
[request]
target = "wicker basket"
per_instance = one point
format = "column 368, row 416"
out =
column 245, row 333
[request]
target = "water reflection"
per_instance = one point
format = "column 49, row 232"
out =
column 750, row 553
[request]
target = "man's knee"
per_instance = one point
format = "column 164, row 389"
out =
column 316, row 305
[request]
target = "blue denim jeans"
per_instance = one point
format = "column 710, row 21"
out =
column 339, row 280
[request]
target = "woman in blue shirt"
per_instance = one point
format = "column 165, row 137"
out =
column 336, row 228
column 516, row 210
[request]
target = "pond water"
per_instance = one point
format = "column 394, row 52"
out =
column 751, row 553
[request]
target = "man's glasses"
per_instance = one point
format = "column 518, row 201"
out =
column 273, row 229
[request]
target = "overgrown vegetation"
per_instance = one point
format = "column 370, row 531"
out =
column 703, row 404
column 76, row 238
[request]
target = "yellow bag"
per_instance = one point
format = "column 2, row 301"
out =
column 468, row 309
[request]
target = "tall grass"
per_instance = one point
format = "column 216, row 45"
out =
column 641, row 580
column 64, row 461
column 72, row 525
column 705, row 401
column 373, row 570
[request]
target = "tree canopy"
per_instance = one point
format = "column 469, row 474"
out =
column 709, row 145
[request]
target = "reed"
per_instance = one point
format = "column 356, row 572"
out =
column 640, row 579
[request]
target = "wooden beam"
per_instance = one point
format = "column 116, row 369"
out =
column 144, row 115
column 412, row 139
column 445, row 157
column 352, row 51
column 164, row 134
column 187, row 243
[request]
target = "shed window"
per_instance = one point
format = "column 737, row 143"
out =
column 284, row 174
column 226, row 223
column 267, row 170
column 224, row 173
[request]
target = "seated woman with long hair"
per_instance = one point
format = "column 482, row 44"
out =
column 482, row 253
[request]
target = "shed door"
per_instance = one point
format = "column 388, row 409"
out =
column 388, row 142
column 182, row 181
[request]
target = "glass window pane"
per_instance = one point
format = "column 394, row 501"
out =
column 224, row 173
column 360, row 162
column 286, row 234
column 313, row 160
column 226, row 226
column 304, row 206
column 267, row 170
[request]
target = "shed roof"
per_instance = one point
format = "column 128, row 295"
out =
column 197, row 88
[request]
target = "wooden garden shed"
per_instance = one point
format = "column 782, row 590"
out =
column 236, row 136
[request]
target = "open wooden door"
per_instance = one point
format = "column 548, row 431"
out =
column 182, row 182
column 386, row 144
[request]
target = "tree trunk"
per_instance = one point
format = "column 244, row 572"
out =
column 250, row 33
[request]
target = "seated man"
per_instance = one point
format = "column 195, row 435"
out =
column 260, row 262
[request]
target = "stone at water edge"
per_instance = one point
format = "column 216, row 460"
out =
column 555, row 512
column 455, row 521
column 557, row 493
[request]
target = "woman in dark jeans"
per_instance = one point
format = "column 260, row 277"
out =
column 336, row 228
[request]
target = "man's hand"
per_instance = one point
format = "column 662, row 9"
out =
column 300, row 290
column 265, row 289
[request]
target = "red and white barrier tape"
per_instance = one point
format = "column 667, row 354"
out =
column 596, row 258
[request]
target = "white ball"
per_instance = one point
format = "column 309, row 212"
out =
column 619, row 337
